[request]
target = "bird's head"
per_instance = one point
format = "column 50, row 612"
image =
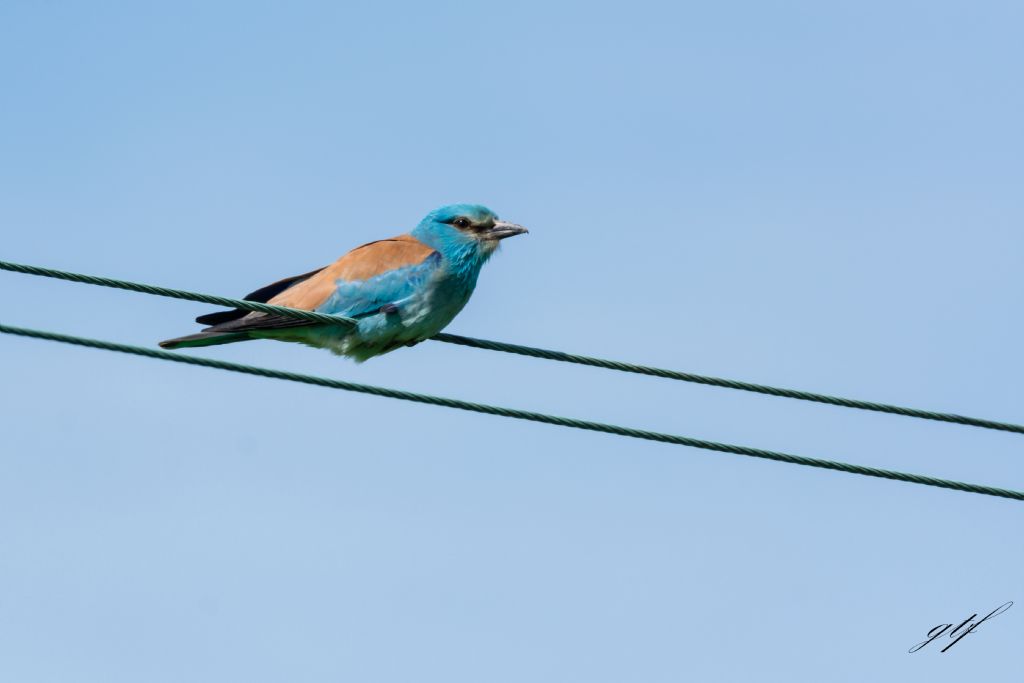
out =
column 466, row 229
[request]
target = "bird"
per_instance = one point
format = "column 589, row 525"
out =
column 400, row 290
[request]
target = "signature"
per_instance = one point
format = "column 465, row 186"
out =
column 966, row 626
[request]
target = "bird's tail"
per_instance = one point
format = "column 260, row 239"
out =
column 206, row 338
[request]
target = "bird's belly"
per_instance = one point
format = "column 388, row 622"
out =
column 417, row 318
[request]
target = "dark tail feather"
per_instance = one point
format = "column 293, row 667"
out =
column 204, row 339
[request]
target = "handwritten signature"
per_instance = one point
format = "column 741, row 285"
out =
column 966, row 626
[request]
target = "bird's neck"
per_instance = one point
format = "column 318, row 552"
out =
column 464, row 257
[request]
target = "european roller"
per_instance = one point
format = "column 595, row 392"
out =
column 401, row 290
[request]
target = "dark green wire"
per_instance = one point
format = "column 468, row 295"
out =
column 528, row 351
column 727, row 383
column 178, row 294
column 513, row 413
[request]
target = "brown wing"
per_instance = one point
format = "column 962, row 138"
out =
column 312, row 289
column 361, row 263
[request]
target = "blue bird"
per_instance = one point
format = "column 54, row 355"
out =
column 401, row 290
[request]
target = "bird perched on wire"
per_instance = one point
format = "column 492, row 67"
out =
column 400, row 290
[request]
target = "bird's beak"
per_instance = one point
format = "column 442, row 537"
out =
column 502, row 229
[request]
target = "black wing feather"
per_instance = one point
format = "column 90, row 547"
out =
column 257, row 321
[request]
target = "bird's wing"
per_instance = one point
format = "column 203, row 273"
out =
column 358, row 283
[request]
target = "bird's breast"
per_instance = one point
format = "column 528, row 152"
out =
column 421, row 315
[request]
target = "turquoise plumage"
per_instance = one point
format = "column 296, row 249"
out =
column 401, row 290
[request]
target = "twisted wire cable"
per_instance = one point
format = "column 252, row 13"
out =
column 312, row 316
column 534, row 352
column 514, row 413
column 727, row 383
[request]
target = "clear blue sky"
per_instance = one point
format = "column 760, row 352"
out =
column 825, row 196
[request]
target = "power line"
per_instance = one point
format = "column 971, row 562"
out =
column 178, row 294
column 514, row 413
column 527, row 350
column 727, row 383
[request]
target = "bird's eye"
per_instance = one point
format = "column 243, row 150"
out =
column 461, row 222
